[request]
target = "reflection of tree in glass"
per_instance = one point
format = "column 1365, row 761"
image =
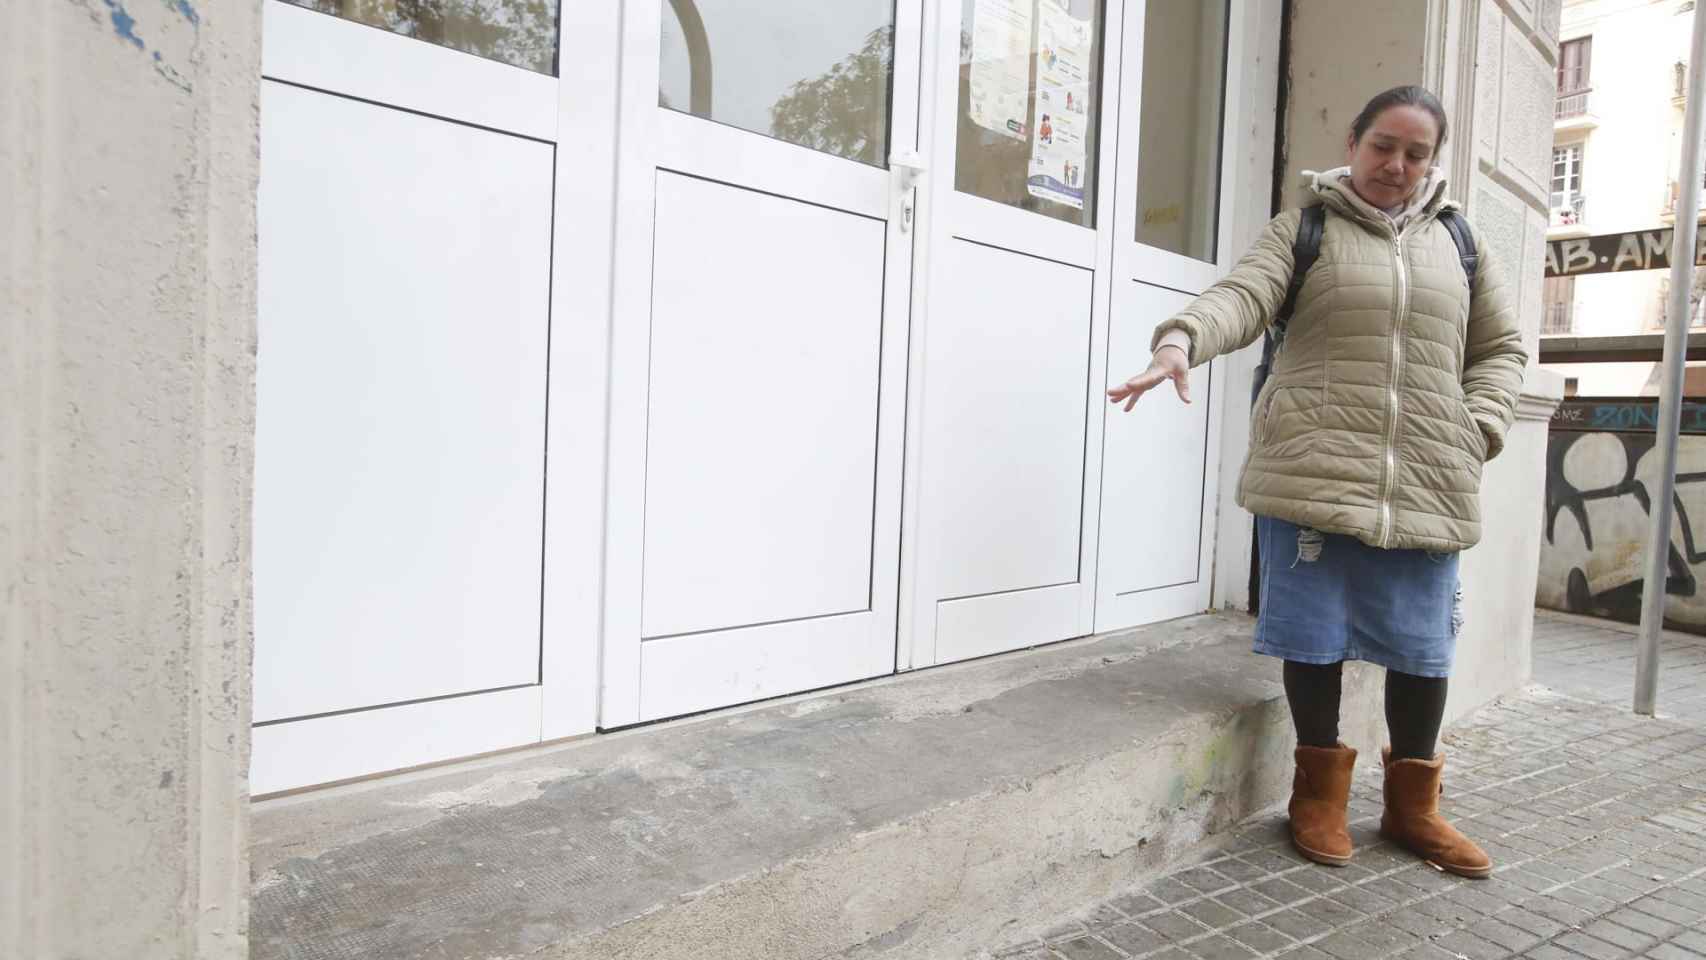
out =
column 521, row 33
column 844, row 111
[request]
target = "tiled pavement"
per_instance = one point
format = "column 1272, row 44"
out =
column 1596, row 819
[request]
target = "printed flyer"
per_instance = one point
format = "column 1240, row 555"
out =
column 1064, row 46
column 1000, row 66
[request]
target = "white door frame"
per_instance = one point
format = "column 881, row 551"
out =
column 577, row 425
column 1136, row 263
column 1250, row 186
column 338, row 57
column 653, row 139
column 1023, row 617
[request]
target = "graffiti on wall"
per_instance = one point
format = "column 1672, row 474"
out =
column 1600, row 466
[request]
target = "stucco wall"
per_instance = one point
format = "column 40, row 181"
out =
column 1331, row 79
column 126, row 371
column 1492, row 62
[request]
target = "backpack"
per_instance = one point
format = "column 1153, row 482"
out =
column 1304, row 251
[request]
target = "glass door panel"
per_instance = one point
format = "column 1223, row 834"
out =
column 1178, row 163
column 816, row 74
column 1027, row 124
column 521, row 33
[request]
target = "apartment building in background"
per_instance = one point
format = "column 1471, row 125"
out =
column 1622, row 73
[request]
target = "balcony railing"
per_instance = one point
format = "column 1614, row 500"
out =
column 1573, row 103
column 1558, row 318
column 1569, row 210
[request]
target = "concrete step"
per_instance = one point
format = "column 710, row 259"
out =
column 928, row 815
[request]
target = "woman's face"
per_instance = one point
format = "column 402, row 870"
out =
column 1393, row 155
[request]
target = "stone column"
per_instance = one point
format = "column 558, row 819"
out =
column 127, row 338
column 1508, row 91
column 1492, row 63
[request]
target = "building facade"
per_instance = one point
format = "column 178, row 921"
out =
column 733, row 367
column 1616, row 148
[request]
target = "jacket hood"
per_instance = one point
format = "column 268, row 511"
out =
column 1333, row 188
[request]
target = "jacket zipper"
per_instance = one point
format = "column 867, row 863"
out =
column 1389, row 466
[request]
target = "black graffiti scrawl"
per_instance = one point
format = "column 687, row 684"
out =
column 1597, row 518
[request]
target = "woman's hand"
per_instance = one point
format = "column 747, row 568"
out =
column 1169, row 363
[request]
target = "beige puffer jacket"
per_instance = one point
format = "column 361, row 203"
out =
column 1393, row 386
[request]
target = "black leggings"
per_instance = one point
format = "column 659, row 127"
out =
column 1415, row 706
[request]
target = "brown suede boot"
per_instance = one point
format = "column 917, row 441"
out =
column 1412, row 818
column 1320, row 792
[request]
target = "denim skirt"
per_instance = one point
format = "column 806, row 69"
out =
column 1327, row 598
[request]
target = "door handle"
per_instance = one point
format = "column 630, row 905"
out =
column 908, row 168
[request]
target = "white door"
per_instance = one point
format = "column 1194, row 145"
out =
column 1170, row 228
column 1003, row 463
column 758, row 350
column 405, row 225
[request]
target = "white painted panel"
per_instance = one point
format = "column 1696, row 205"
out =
column 762, row 416
column 980, row 626
column 314, row 49
column 404, row 274
column 1122, row 611
column 1153, row 460
column 688, row 674
column 1022, row 231
column 304, row 753
column 1009, row 343
column 715, row 151
column 1168, row 269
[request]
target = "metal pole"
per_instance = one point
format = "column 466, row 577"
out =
column 1670, row 388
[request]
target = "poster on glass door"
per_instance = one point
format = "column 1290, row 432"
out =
column 1062, row 106
column 1000, row 66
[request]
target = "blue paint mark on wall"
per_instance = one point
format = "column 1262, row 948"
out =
column 124, row 24
column 185, row 10
column 125, row 27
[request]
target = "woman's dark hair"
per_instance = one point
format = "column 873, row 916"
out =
column 1406, row 96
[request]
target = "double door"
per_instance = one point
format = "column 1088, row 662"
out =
column 621, row 362
column 876, row 266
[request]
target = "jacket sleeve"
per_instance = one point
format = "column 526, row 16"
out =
column 1493, row 355
column 1239, row 307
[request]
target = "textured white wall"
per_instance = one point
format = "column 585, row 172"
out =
column 1508, row 166
column 126, row 425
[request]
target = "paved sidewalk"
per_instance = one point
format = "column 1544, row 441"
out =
column 1596, row 819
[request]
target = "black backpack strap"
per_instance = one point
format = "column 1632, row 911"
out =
column 1305, row 249
column 1460, row 235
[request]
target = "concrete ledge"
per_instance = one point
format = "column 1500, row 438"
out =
column 926, row 815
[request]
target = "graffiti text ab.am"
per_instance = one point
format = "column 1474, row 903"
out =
column 1616, row 253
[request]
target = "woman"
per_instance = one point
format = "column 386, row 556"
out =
column 1394, row 384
